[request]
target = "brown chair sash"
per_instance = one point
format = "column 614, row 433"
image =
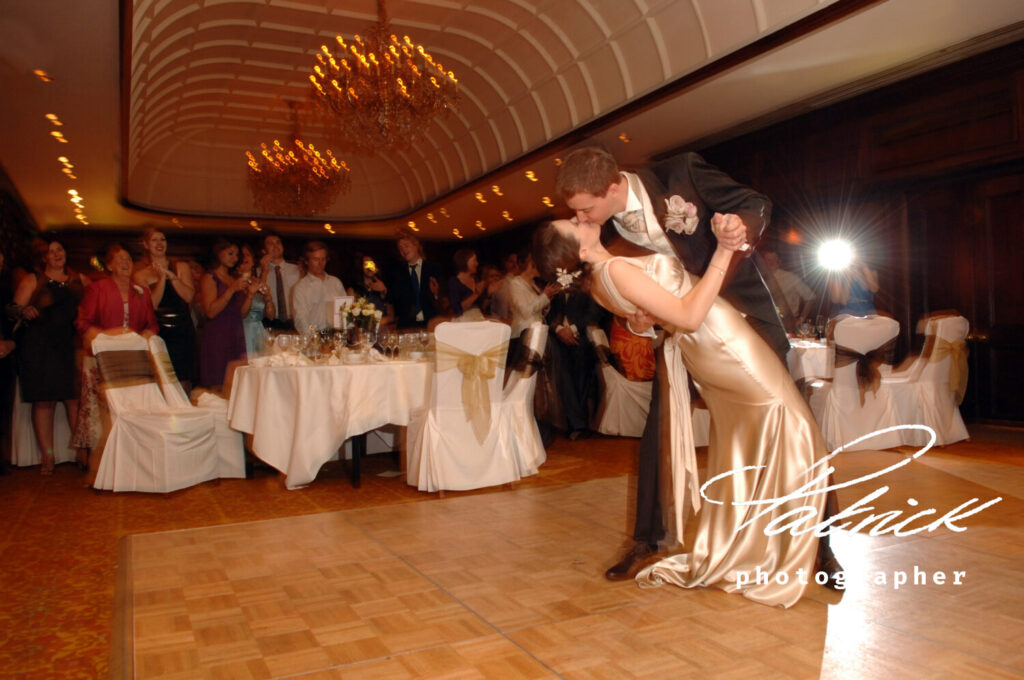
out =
column 957, row 353
column 527, row 361
column 125, row 368
column 868, row 375
column 165, row 369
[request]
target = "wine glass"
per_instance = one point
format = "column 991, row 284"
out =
column 393, row 341
column 424, row 339
column 819, row 325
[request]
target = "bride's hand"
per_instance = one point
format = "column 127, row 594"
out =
column 729, row 231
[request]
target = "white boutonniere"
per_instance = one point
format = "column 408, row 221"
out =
column 564, row 278
column 680, row 215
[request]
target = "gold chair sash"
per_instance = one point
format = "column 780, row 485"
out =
column 476, row 370
column 868, row 375
column 125, row 368
column 957, row 353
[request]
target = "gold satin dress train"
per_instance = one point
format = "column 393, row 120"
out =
column 758, row 418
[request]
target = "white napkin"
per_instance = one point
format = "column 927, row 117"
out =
column 375, row 355
column 288, row 359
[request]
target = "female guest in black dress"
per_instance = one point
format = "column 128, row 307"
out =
column 47, row 302
column 171, row 287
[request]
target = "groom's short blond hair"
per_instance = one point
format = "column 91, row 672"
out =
column 588, row 170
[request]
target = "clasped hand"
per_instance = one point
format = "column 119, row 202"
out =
column 729, row 230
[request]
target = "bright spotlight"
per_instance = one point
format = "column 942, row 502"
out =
column 835, row 255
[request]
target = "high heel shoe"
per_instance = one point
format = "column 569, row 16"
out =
column 48, row 464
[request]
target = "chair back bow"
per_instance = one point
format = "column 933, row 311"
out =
column 476, row 370
column 164, row 368
column 527, row 362
column 125, row 368
column 868, row 375
column 957, row 352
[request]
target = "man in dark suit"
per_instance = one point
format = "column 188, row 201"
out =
column 573, row 361
column 669, row 211
column 413, row 286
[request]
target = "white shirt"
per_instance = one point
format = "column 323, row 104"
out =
column 289, row 277
column 525, row 304
column 311, row 298
column 633, row 202
column 793, row 287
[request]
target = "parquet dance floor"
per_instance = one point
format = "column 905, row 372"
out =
column 509, row 585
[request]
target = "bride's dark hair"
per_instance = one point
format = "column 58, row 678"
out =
column 553, row 250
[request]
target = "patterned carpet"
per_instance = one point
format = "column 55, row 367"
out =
column 60, row 541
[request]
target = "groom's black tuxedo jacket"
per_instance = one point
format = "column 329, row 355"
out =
column 711, row 190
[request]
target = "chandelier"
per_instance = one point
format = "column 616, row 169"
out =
column 295, row 179
column 381, row 92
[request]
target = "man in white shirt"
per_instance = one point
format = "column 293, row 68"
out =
column 313, row 293
column 797, row 295
column 281, row 278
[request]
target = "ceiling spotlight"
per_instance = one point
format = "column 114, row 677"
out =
column 497, row 190
column 547, row 201
column 456, row 233
column 42, row 75
column 412, row 225
column 625, row 138
column 480, row 197
column 530, row 175
column 835, row 255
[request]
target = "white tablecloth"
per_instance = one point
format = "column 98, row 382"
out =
column 300, row 415
column 809, row 359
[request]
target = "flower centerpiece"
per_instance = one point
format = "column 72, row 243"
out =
column 361, row 313
column 361, row 320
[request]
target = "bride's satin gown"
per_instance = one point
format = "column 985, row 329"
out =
column 758, row 418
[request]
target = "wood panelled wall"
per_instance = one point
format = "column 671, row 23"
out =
column 927, row 178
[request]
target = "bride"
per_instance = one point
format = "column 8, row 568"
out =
column 761, row 428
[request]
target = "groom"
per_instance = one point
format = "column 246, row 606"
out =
column 670, row 212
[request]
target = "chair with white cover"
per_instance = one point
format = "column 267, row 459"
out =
column 150, row 446
column 519, row 394
column 930, row 391
column 856, row 403
column 24, row 446
column 230, row 443
column 460, row 441
column 624, row 402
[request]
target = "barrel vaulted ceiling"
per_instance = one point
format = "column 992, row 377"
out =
column 161, row 99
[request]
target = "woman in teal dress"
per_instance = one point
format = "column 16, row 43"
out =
column 260, row 303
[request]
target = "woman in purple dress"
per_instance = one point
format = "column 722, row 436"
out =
column 222, row 296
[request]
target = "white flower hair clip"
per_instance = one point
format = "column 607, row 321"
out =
column 680, row 215
column 564, row 278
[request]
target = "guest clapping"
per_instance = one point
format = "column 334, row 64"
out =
column 172, row 289
column 223, row 297
column 258, row 304
column 464, row 291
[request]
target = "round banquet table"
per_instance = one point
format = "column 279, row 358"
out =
column 808, row 359
column 300, row 416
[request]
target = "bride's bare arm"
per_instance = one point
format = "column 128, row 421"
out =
column 686, row 313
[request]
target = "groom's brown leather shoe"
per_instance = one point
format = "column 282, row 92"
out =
column 639, row 554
